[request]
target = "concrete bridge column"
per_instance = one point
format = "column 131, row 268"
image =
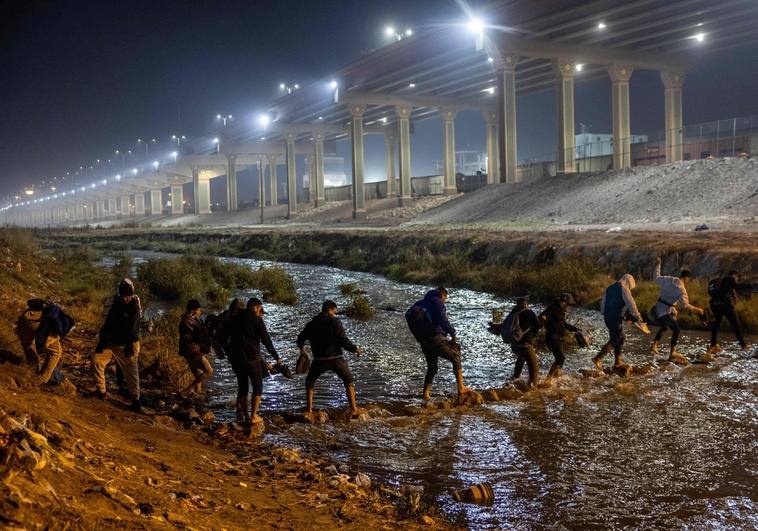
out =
column 493, row 171
column 390, row 142
column 139, row 204
column 79, row 214
column 177, row 200
column 156, row 203
column 672, row 84
column 100, row 209
column 125, row 210
column 356, row 142
column 564, row 92
column 112, row 210
column 317, row 184
column 291, row 174
column 620, row 75
column 202, row 190
column 231, row 183
column 506, row 114
column 273, row 186
column 261, row 186
column 404, row 152
column 448, row 124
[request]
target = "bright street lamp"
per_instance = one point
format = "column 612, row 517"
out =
column 224, row 118
column 218, row 144
column 264, row 120
column 390, row 31
column 288, row 88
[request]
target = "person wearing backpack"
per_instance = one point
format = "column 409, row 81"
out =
column 554, row 319
column 40, row 329
column 427, row 321
column 194, row 345
column 119, row 341
column 673, row 293
column 327, row 338
column 519, row 330
column 723, row 294
column 616, row 304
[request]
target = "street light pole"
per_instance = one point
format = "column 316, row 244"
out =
column 261, row 199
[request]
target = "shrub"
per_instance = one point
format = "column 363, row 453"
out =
column 359, row 308
column 276, row 284
column 350, row 288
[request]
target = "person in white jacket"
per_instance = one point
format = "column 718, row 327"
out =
column 673, row 293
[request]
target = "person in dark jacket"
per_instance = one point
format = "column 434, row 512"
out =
column 194, row 345
column 618, row 302
column 524, row 349
column 722, row 305
column 222, row 338
column 554, row 319
column 248, row 332
column 428, row 322
column 327, row 338
column 39, row 328
column 119, row 341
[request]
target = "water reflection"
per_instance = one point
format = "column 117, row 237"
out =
column 676, row 448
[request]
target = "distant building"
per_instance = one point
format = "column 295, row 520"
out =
column 598, row 144
column 467, row 162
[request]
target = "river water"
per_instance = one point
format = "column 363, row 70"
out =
column 672, row 449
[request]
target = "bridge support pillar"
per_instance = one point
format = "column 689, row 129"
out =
column 506, row 117
column 156, row 203
column 390, row 143
column 291, row 175
column 448, row 124
column 112, row 207
column 139, row 203
column 493, row 170
column 317, row 183
column 231, row 183
column 356, row 142
column 564, row 93
column 404, row 153
column 272, row 178
column 124, row 202
column 177, row 200
column 622, row 156
column 202, row 192
column 672, row 84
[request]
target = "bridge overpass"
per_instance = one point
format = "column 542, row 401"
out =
column 519, row 47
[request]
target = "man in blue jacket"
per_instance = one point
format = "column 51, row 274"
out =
column 428, row 322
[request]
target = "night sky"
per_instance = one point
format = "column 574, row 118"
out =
column 81, row 78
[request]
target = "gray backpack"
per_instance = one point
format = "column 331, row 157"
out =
column 510, row 330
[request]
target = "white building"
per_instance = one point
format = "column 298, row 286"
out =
column 599, row 144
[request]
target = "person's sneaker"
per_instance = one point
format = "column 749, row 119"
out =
column 678, row 359
column 654, row 348
column 598, row 363
column 97, row 393
column 136, row 407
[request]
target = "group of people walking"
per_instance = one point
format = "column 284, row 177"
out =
column 239, row 334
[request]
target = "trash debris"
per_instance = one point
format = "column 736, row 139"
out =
column 702, row 226
column 481, row 494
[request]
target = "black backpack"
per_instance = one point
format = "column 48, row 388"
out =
column 419, row 322
column 715, row 289
column 510, row 330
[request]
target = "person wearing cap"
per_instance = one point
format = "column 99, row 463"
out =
column 554, row 320
column 119, row 341
column 327, row 338
column 523, row 348
column 673, row 293
column 428, row 322
column 222, row 339
column 194, row 345
column 248, row 332
column 617, row 302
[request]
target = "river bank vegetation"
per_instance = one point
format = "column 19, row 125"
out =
column 541, row 266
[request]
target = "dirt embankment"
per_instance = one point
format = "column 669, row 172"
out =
column 71, row 462
column 722, row 193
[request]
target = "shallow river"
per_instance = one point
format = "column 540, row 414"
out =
column 677, row 448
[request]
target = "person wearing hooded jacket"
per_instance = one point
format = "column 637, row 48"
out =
column 194, row 344
column 431, row 332
column 617, row 301
column 119, row 341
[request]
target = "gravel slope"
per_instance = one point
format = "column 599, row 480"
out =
column 703, row 191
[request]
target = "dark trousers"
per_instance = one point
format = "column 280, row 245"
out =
column 526, row 354
column 247, row 372
column 435, row 348
column 555, row 344
column 719, row 312
column 667, row 322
